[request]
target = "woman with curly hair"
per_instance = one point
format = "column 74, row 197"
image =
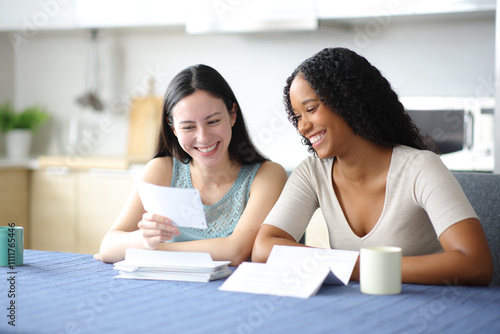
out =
column 373, row 177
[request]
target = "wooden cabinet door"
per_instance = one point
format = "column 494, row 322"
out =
column 14, row 199
column 99, row 201
column 52, row 218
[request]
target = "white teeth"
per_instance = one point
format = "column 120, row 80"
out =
column 207, row 149
column 316, row 138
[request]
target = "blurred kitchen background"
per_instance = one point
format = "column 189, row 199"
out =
column 438, row 55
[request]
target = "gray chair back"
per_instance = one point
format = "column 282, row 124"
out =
column 483, row 192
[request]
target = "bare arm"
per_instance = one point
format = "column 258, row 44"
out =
column 466, row 259
column 264, row 192
column 124, row 233
column 269, row 236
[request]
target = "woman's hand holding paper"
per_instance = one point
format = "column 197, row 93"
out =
column 155, row 229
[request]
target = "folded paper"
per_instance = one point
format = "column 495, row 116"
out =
column 293, row 272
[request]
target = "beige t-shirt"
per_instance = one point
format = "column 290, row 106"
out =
column 422, row 200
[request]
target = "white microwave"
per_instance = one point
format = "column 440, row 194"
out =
column 462, row 128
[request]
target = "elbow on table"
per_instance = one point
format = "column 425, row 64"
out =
column 479, row 273
column 236, row 251
column 480, row 270
column 258, row 256
column 266, row 239
column 260, row 252
column 475, row 279
column 237, row 260
column 108, row 253
column 105, row 256
column 237, row 255
column 483, row 275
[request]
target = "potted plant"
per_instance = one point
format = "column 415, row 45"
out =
column 19, row 127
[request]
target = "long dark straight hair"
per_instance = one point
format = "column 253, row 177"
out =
column 203, row 77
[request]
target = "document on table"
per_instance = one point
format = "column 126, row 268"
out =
column 293, row 272
column 182, row 206
column 171, row 266
column 340, row 262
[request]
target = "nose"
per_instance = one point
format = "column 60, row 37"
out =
column 203, row 134
column 303, row 126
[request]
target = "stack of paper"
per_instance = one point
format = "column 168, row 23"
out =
column 171, row 266
column 293, row 272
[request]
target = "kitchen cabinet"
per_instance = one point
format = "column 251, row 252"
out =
column 100, row 199
column 384, row 9
column 72, row 211
column 31, row 16
column 28, row 17
column 53, row 214
column 14, row 198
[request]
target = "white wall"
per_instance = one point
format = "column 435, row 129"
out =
column 6, row 78
column 440, row 57
column 7, row 71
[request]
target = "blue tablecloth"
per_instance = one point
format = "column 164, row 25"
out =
column 73, row 293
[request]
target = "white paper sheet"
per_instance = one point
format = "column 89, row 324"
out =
column 340, row 262
column 175, row 276
column 169, row 259
column 261, row 278
column 293, row 272
column 182, row 206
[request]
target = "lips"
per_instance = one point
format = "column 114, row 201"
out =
column 317, row 137
column 207, row 149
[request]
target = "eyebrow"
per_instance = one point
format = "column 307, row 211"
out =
column 306, row 101
column 208, row 117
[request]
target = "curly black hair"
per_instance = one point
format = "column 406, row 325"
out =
column 356, row 91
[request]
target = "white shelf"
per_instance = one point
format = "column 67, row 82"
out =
column 30, row 163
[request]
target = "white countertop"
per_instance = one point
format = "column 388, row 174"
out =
column 464, row 161
column 99, row 166
column 31, row 163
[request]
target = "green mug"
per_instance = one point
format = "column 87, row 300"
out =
column 11, row 246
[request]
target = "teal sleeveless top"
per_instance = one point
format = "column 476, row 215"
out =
column 222, row 216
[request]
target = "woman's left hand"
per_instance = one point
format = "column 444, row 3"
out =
column 155, row 229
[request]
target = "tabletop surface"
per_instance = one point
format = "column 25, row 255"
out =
column 73, row 293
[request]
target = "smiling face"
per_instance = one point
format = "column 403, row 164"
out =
column 202, row 125
column 327, row 132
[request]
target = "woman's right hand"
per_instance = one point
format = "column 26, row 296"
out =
column 155, row 229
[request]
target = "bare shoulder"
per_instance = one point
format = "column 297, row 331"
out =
column 271, row 173
column 158, row 171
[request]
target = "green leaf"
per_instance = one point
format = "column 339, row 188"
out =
column 30, row 118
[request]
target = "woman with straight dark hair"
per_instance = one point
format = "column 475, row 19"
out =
column 373, row 177
column 204, row 144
